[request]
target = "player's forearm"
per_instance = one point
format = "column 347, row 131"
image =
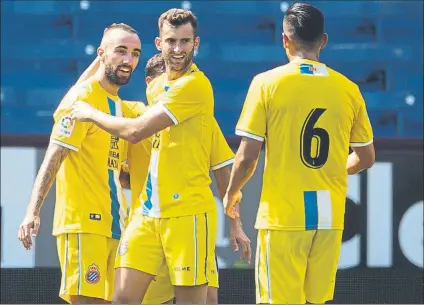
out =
column 354, row 164
column 222, row 178
column 243, row 169
column 119, row 127
column 53, row 159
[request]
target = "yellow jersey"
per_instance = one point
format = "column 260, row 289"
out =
column 308, row 115
column 178, row 181
column 138, row 158
column 89, row 197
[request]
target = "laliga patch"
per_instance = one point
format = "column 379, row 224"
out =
column 93, row 274
column 123, row 248
column 66, row 125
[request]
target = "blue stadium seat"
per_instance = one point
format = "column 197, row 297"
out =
column 396, row 9
column 39, row 7
column 8, row 96
column 46, row 49
column 138, row 8
column 231, row 8
column 238, row 29
column 25, row 120
column 45, row 99
column 351, row 30
column 27, row 30
column 344, row 9
column 90, row 28
column 405, row 30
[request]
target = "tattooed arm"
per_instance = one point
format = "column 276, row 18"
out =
column 53, row 159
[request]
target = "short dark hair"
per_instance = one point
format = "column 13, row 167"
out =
column 177, row 17
column 121, row 26
column 155, row 66
column 305, row 22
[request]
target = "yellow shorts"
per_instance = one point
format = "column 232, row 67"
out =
column 87, row 264
column 186, row 244
column 292, row 267
column 161, row 289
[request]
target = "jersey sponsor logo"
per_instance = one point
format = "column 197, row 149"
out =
column 309, row 69
column 93, row 274
column 66, row 126
column 95, row 216
column 113, row 159
column 178, row 269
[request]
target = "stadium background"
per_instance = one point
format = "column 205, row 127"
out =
column 45, row 45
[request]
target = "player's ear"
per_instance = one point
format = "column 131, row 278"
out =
column 285, row 40
column 324, row 41
column 100, row 52
column 158, row 43
column 196, row 43
column 148, row 79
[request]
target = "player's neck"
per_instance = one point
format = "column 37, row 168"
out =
column 105, row 83
column 305, row 55
column 173, row 75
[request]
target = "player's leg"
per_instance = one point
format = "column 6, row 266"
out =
column 322, row 266
column 212, row 297
column 112, row 247
column 213, row 277
column 160, row 290
column 138, row 260
column 83, row 262
column 280, row 266
column 188, row 243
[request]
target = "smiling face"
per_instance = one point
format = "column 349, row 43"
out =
column 178, row 39
column 178, row 45
column 120, row 53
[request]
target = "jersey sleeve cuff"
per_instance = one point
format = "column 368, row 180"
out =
column 249, row 135
column 71, row 147
column 360, row 144
column 222, row 164
column 170, row 114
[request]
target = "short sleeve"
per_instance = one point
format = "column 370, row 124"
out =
column 67, row 132
column 252, row 121
column 184, row 99
column 221, row 154
column 361, row 133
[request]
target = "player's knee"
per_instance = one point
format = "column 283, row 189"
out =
column 212, row 297
column 80, row 299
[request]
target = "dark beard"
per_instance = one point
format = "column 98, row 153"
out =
column 112, row 76
column 186, row 65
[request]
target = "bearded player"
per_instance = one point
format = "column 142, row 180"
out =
column 89, row 211
column 177, row 203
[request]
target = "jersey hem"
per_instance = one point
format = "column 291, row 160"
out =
column 249, row 135
column 359, row 144
column 302, row 228
column 223, row 164
column 66, row 145
column 170, row 114
column 164, row 215
column 80, row 231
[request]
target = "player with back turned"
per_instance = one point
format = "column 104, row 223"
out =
column 308, row 115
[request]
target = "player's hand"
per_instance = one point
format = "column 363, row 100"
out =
column 229, row 201
column 239, row 238
column 28, row 229
column 82, row 111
